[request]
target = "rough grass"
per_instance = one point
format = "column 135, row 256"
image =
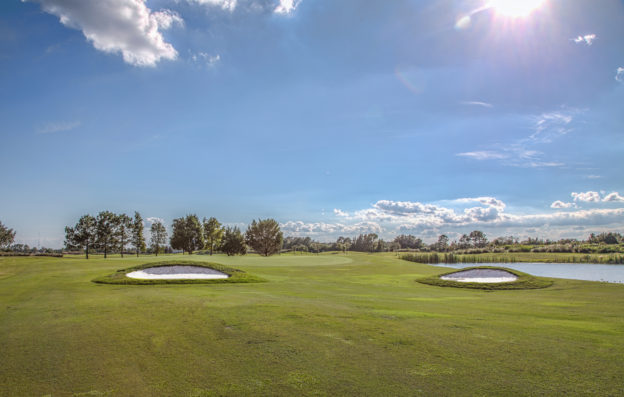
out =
column 511, row 257
column 524, row 280
column 236, row 276
column 332, row 324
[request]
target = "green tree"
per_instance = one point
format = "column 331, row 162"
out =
column 83, row 235
column 478, row 239
column 213, row 233
column 123, row 226
column 464, row 241
column 365, row 242
column 137, row 233
column 7, row 236
column 442, row 244
column 159, row 236
column 408, row 241
column 233, row 242
column 188, row 234
column 106, row 225
column 264, row 236
column 343, row 244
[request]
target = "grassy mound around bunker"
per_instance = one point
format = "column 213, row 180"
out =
column 235, row 275
column 524, row 280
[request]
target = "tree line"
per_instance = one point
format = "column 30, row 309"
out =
column 106, row 232
column 109, row 232
column 475, row 241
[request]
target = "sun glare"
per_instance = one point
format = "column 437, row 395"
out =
column 515, row 8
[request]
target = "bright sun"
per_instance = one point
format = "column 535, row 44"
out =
column 515, row 8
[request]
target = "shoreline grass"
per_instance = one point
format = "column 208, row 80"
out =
column 439, row 257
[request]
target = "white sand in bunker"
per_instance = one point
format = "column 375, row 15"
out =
column 481, row 276
column 177, row 272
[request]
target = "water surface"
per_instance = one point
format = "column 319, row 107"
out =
column 576, row 271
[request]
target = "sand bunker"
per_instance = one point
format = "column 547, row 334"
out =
column 481, row 276
column 177, row 272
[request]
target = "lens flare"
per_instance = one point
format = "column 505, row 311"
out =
column 515, row 8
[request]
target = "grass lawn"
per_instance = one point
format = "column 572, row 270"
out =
column 329, row 324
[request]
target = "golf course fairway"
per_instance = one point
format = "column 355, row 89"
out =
column 321, row 325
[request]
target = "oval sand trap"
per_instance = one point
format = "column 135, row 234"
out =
column 481, row 276
column 177, row 272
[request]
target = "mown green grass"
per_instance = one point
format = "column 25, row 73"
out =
column 331, row 324
column 523, row 281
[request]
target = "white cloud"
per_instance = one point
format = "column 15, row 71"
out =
column 228, row 5
column 522, row 152
column 477, row 103
column 128, row 27
column 60, row 126
column 152, row 219
column 167, row 18
column 341, row 213
column 320, row 228
column 611, row 197
column 489, row 201
column 619, row 74
column 286, row 6
column 388, row 218
column 587, row 39
column 282, row 7
column 560, row 204
column 587, row 197
column 550, row 126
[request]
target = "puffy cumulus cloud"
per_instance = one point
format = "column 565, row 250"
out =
column 560, row 204
column 320, row 228
column 587, row 39
column 611, row 197
column 338, row 212
column 405, row 207
column 128, row 27
column 152, row 219
column 587, row 197
column 489, row 201
column 489, row 214
column 420, row 215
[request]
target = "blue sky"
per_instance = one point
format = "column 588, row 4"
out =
column 334, row 117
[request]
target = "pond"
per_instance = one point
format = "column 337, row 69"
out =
column 576, row 271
